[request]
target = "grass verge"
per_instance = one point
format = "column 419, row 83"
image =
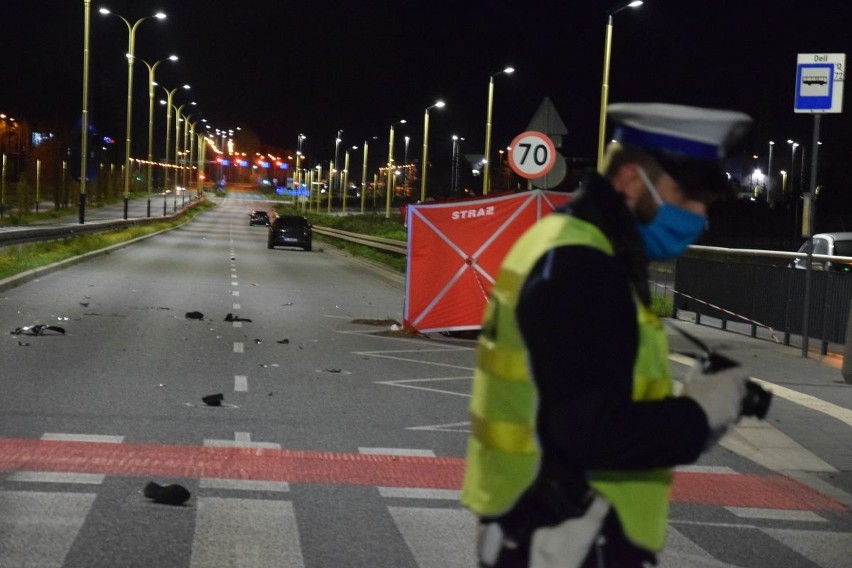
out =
column 21, row 258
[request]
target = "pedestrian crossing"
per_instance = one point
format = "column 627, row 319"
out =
column 251, row 523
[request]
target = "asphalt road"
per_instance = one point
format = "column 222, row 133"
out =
column 338, row 441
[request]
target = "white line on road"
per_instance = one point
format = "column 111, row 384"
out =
column 65, row 437
column 419, row 493
column 808, row 401
column 57, row 477
column 240, row 383
column 238, row 347
column 397, row 452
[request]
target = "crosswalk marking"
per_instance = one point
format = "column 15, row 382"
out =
column 438, row 538
column 231, row 533
column 775, row 514
column 825, row 549
column 38, row 529
column 57, row 477
column 397, row 452
column 680, row 552
column 67, row 437
column 417, row 493
column 244, row 485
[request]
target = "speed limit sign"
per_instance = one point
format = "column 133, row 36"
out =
column 532, row 154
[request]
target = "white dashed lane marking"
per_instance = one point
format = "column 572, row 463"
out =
column 240, row 383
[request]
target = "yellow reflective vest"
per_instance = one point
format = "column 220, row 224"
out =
column 503, row 455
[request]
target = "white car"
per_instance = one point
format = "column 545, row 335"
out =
column 830, row 244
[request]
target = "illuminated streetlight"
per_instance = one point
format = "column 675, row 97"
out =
column 170, row 93
column 769, row 171
column 131, row 55
column 424, row 163
column 605, row 83
column 152, row 68
column 389, row 187
column 793, row 146
column 486, row 183
column 84, row 129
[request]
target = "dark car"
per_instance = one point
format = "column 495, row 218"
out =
column 258, row 218
column 290, row 231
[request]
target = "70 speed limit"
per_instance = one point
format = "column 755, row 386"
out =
column 532, row 154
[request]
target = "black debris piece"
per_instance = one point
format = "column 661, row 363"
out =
column 332, row 370
column 23, row 343
column 232, row 317
column 284, row 341
column 257, row 341
column 38, row 329
column 167, row 495
column 84, row 304
column 213, row 399
column 194, row 316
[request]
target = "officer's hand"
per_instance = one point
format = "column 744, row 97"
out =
column 720, row 395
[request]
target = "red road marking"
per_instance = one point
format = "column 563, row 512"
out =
column 192, row 462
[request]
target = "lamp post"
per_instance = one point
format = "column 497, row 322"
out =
column 769, row 171
column 605, row 82
column 178, row 120
column 84, row 128
column 486, row 182
column 388, row 189
column 152, row 68
column 405, row 165
column 424, row 164
column 170, row 93
column 364, row 176
column 454, row 175
column 793, row 146
column 345, row 184
column 296, row 175
column 334, row 170
column 131, row 55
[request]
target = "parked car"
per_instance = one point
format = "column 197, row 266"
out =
column 290, row 231
column 258, row 218
column 831, row 244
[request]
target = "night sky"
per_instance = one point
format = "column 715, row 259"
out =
column 281, row 67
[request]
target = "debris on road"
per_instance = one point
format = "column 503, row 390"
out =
column 284, row 341
column 38, row 329
column 194, row 315
column 232, row 317
column 213, row 399
column 168, row 495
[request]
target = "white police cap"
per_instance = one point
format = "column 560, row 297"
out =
column 698, row 133
column 690, row 142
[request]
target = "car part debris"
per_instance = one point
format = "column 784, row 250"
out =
column 194, row 315
column 213, row 399
column 232, row 317
column 38, row 329
column 257, row 341
column 283, row 341
column 168, row 495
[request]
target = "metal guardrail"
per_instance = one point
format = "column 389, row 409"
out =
column 31, row 234
column 389, row 245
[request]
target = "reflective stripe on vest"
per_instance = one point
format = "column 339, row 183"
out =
column 503, row 455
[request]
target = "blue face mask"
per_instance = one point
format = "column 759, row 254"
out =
column 672, row 230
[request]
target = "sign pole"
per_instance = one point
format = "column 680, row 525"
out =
column 809, row 233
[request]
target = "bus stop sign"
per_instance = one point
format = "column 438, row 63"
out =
column 819, row 82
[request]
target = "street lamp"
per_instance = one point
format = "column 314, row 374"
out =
column 486, row 184
column 131, row 50
column 152, row 68
column 334, row 170
column 84, row 127
column 793, row 147
column 389, row 187
column 424, row 164
column 345, row 184
column 170, row 93
column 364, row 177
column 605, row 83
column 454, row 176
column 178, row 120
column 296, row 175
column 769, row 171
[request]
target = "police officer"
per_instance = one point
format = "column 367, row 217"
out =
column 575, row 427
